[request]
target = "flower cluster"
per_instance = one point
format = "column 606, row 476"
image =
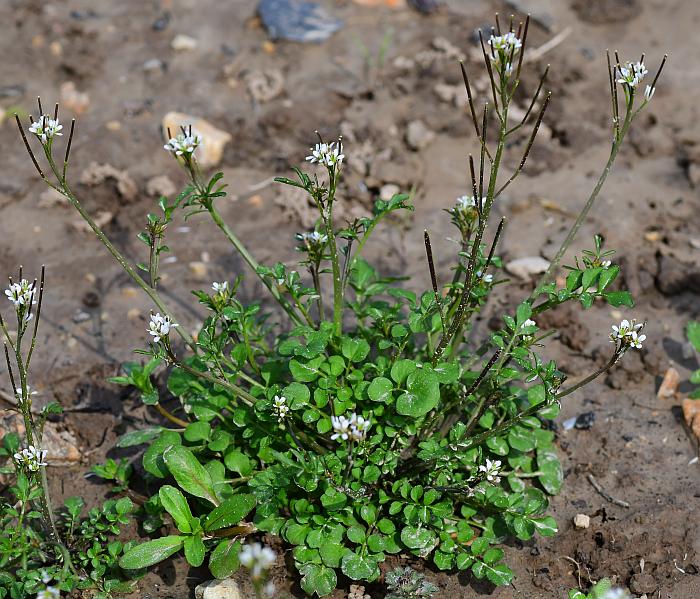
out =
column 257, row 559
column 328, row 155
column 49, row 593
column 220, row 288
column 464, row 213
column 354, row 428
column 631, row 75
column 183, row 144
column 46, row 128
column 21, row 294
column 314, row 238
column 31, row 458
column 160, row 326
column 491, row 470
column 627, row 334
column 504, row 48
column 279, row 403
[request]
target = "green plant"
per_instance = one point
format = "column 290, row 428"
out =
column 406, row 583
column 602, row 589
column 693, row 333
column 370, row 422
column 42, row 552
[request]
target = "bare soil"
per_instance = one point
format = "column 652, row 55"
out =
column 637, row 448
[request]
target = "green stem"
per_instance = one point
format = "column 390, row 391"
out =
column 66, row 191
column 549, row 274
column 335, row 266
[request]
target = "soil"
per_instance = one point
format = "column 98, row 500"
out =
column 119, row 54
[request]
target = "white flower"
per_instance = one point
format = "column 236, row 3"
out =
column 483, row 277
column 269, row 589
column 21, row 294
column 220, row 287
column 529, row 323
column 326, row 154
column 46, row 578
column 160, row 326
column 183, row 144
column 606, row 264
column 18, row 391
column 280, row 406
column 341, row 426
column 313, row 238
column 649, row 92
column 257, row 559
column 46, row 128
column 491, row 469
column 49, row 593
column 616, row 593
column 31, row 458
column 636, row 340
column 505, row 43
column 632, row 73
column 358, row 427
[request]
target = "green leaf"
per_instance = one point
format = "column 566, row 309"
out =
column 133, row 438
column 355, row 350
column 552, row 476
column 194, row 550
column 237, row 461
column 546, row 526
column 153, row 457
column 360, row 567
column 230, row 512
column 151, row 552
column 416, row 537
column 607, row 276
column 521, row 438
column 306, row 372
column 499, row 574
column 422, row 395
column 189, row 473
column 176, row 505
column 523, row 312
column 401, row 369
column 332, row 554
column 197, row 431
column 380, row 389
column 223, row 561
column 619, row 298
column 693, row 332
column 297, row 395
column 318, row 579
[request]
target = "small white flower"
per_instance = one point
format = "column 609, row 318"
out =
column 31, row 458
column 649, row 92
column 46, row 128
column 279, row 403
column 46, row 578
column 529, row 323
column 326, row 154
column 484, row 278
column 313, row 238
column 636, row 340
column 257, row 559
column 269, row 589
column 491, row 470
column 183, row 144
column 21, row 294
column 631, row 74
column 18, row 391
column 341, row 426
column 606, row 264
column 221, row 288
column 358, row 427
column 160, row 326
column 505, row 43
column 49, row 593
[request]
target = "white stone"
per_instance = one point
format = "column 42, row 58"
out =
column 524, row 268
column 214, row 140
column 582, row 521
column 218, row 589
column 183, row 42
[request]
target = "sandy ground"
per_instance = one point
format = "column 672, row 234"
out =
column 120, row 56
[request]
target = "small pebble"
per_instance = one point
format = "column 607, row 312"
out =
column 582, row 521
column 183, row 42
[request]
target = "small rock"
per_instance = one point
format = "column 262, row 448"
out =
column 643, row 583
column 95, row 174
column 388, row 191
column 582, row 521
column 694, row 174
column 266, row 85
column 675, row 277
column 91, row 300
column 154, row 64
column 584, row 421
column 51, row 197
column 160, row 186
column 218, row 589
column 691, row 410
column 80, row 316
column 162, row 22
column 694, row 243
column 524, row 268
column 133, row 314
column 537, row 9
column 214, row 140
column 669, row 385
column 182, row 42
column 11, row 91
column 113, row 125
column 61, row 445
column 449, row 93
column 418, row 136
column 199, row 270
column 73, row 99
column 358, row 592
column 102, row 218
column 297, row 20
column 425, row 6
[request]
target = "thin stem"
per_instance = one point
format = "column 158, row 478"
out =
column 591, row 377
column 174, row 419
column 433, row 277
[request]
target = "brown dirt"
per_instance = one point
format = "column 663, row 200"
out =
column 637, row 448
